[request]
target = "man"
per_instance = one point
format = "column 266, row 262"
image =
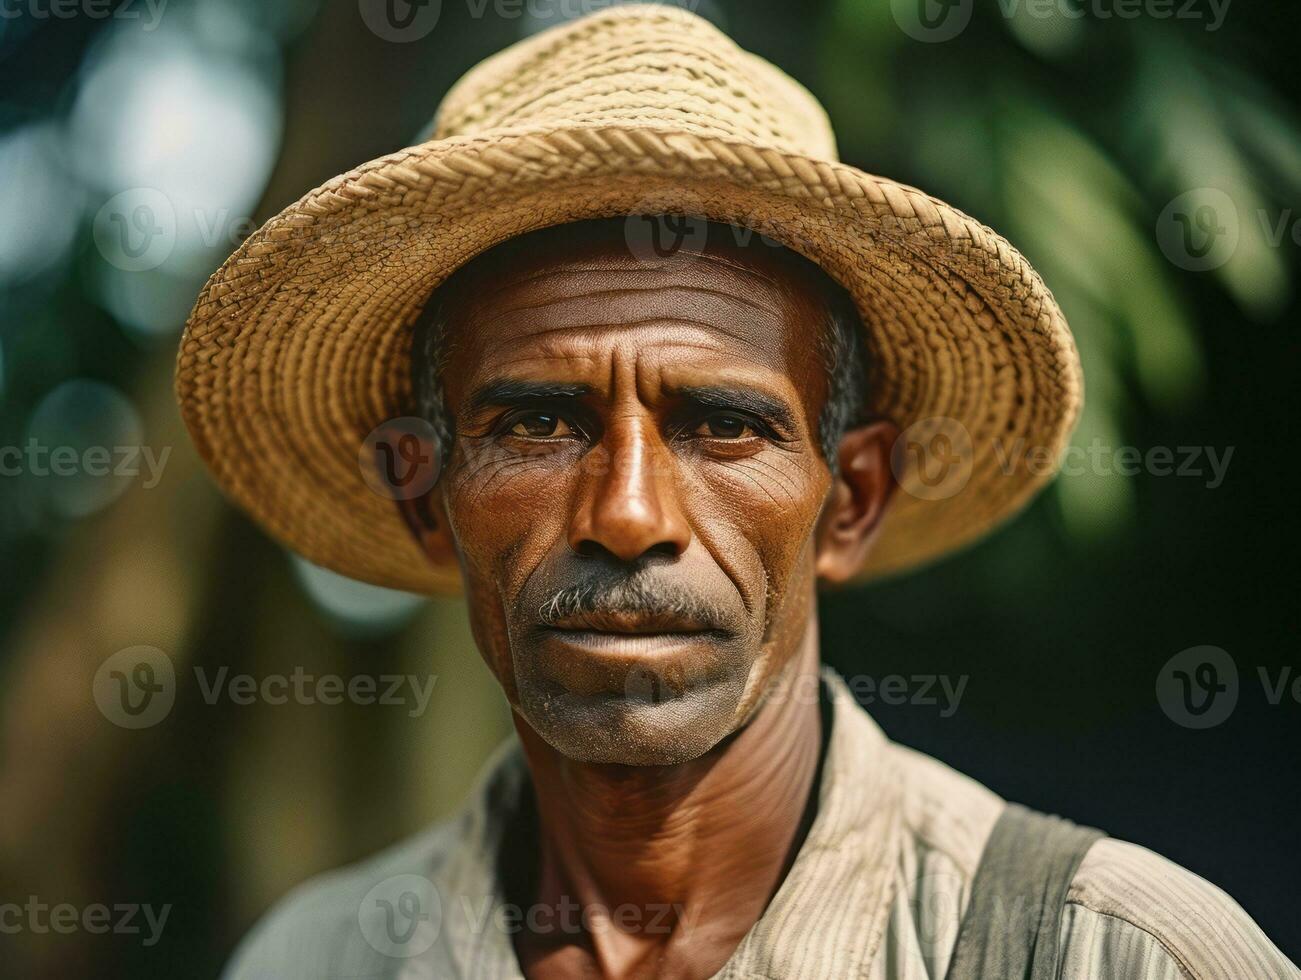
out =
column 639, row 442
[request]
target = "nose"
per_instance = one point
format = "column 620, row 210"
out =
column 628, row 500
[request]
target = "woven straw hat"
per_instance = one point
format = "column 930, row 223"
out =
column 299, row 345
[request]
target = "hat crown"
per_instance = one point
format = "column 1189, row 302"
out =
column 637, row 65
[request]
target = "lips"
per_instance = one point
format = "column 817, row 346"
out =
column 604, row 653
column 630, row 624
column 627, row 640
column 598, row 634
column 593, row 651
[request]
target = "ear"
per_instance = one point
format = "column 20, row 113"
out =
column 858, row 498
column 427, row 521
column 406, row 465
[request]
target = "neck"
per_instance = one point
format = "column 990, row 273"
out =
column 704, row 843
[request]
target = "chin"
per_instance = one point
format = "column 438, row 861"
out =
column 633, row 728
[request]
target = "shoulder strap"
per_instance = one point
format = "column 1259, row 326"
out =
column 1011, row 927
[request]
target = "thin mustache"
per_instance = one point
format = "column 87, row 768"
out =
column 630, row 597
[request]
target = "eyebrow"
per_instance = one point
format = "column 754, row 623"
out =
column 748, row 400
column 508, row 391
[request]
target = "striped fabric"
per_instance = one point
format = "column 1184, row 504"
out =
column 877, row 891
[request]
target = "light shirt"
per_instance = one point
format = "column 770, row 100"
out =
column 877, row 891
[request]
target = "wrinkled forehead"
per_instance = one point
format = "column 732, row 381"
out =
column 580, row 289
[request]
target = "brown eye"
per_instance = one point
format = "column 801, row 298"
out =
column 724, row 425
column 540, row 425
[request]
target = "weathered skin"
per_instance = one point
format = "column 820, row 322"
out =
column 682, row 456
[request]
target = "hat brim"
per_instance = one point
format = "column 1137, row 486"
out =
column 299, row 345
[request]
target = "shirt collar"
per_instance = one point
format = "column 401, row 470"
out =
column 827, row 918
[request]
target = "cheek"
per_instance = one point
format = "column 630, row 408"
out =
column 503, row 514
column 503, row 518
column 769, row 505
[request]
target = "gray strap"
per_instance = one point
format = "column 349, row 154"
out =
column 1013, row 921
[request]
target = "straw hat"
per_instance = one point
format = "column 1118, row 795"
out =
column 299, row 345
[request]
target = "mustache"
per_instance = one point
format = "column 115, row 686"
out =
column 639, row 596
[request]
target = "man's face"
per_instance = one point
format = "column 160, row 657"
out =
column 635, row 487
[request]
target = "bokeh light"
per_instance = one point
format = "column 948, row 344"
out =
column 160, row 113
column 41, row 212
column 84, row 448
column 355, row 607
